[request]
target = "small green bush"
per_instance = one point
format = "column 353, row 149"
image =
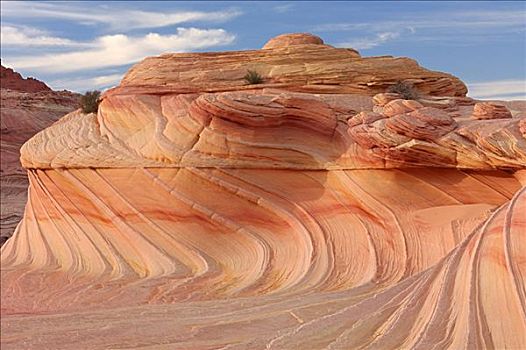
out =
column 405, row 89
column 89, row 102
column 253, row 77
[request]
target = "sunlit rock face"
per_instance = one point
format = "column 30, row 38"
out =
column 196, row 211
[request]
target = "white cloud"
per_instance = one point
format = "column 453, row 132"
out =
column 464, row 27
column 498, row 90
column 83, row 84
column 500, row 18
column 107, row 80
column 29, row 36
column 283, row 8
column 447, row 27
column 368, row 43
column 513, row 20
column 120, row 49
column 117, row 18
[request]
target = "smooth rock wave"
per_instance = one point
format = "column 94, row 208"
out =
column 267, row 218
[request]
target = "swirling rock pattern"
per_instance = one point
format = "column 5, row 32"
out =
column 269, row 219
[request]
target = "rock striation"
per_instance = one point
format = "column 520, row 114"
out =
column 305, row 212
column 12, row 80
column 273, row 129
column 286, row 40
column 490, row 110
column 297, row 62
column 26, row 107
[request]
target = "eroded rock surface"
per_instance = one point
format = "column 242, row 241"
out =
column 26, row 107
column 295, row 62
column 490, row 110
column 195, row 211
column 12, row 80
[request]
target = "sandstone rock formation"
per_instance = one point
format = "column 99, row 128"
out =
column 301, row 63
column 26, row 107
column 194, row 211
column 489, row 110
column 12, row 80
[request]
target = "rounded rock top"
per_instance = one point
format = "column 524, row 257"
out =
column 285, row 40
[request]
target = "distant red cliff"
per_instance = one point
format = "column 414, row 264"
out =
column 14, row 81
column 26, row 107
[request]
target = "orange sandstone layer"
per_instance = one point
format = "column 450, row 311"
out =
column 280, row 259
column 300, row 62
column 274, row 129
column 188, row 215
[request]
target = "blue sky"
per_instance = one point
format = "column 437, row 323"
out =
column 85, row 45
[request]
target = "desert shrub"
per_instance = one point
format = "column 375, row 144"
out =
column 405, row 89
column 253, row 77
column 89, row 102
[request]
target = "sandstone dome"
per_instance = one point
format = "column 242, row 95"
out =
column 312, row 211
column 285, row 40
